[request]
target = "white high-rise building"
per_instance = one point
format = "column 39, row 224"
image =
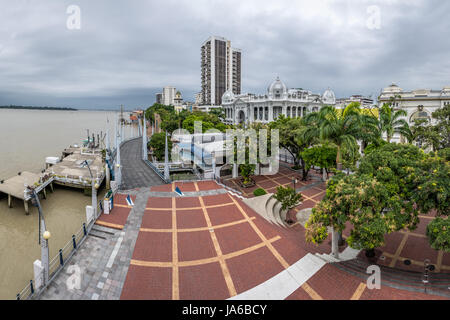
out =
column 221, row 70
column 168, row 96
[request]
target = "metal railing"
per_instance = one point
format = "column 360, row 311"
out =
column 62, row 258
column 156, row 170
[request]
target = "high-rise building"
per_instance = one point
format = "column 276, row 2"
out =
column 168, row 96
column 159, row 98
column 221, row 70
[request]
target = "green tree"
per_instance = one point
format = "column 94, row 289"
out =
column 209, row 121
column 340, row 127
column 442, row 117
column 157, row 144
column 323, row 156
column 438, row 232
column 288, row 197
column 391, row 121
column 356, row 199
column 218, row 112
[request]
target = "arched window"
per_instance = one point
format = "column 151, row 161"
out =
column 288, row 112
column 419, row 115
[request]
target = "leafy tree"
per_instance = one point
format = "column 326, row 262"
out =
column 438, row 232
column 218, row 112
column 391, row 122
column 442, row 117
column 358, row 199
column 340, row 127
column 209, row 121
column 246, row 171
column 323, row 156
column 288, row 197
column 157, row 143
column 428, row 135
column 291, row 136
column 391, row 187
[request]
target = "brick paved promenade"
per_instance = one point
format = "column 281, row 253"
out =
column 208, row 244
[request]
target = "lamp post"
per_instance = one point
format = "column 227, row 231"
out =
column 294, row 181
column 44, row 236
column 94, row 186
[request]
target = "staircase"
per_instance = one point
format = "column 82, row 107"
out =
column 439, row 283
column 268, row 208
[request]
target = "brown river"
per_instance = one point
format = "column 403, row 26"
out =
column 27, row 137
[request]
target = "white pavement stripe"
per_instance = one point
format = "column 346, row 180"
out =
column 286, row 282
column 115, row 251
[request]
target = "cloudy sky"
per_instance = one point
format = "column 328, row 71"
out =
column 126, row 51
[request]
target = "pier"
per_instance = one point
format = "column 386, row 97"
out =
column 73, row 172
column 20, row 187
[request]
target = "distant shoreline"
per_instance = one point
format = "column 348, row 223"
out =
column 37, row 108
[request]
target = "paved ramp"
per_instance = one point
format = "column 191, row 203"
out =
column 135, row 173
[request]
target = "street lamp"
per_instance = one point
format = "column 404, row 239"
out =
column 294, row 181
column 94, row 187
column 44, row 236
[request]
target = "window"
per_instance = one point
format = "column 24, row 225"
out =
column 288, row 112
column 255, row 113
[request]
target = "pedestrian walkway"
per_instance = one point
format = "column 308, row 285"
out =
column 206, row 244
column 135, row 172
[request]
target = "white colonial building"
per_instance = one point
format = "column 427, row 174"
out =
column 419, row 104
column 248, row 108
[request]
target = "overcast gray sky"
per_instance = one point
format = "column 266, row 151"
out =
column 126, row 51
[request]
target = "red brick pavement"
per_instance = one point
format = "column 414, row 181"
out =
column 118, row 216
column 214, row 247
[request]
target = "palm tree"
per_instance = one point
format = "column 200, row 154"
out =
column 341, row 127
column 391, row 122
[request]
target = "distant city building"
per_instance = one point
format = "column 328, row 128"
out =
column 159, row 98
column 220, row 70
column 168, row 96
column 363, row 101
column 198, row 98
column 419, row 104
column 178, row 102
column 248, row 108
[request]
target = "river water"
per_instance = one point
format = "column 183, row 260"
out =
column 26, row 138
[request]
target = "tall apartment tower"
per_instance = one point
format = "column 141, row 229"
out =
column 168, row 96
column 221, row 70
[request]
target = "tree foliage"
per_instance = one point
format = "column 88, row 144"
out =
column 392, row 186
column 288, row 197
column 323, row 156
column 341, row 127
column 157, row 144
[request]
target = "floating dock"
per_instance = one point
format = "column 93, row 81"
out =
column 69, row 170
column 73, row 172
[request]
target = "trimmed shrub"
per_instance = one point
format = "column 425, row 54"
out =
column 259, row 192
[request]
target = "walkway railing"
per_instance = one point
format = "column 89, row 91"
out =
column 62, row 258
column 156, row 170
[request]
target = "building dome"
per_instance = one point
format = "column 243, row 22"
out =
column 228, row 97
column 392, row 88
column 329, row 96
column 277, row 88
